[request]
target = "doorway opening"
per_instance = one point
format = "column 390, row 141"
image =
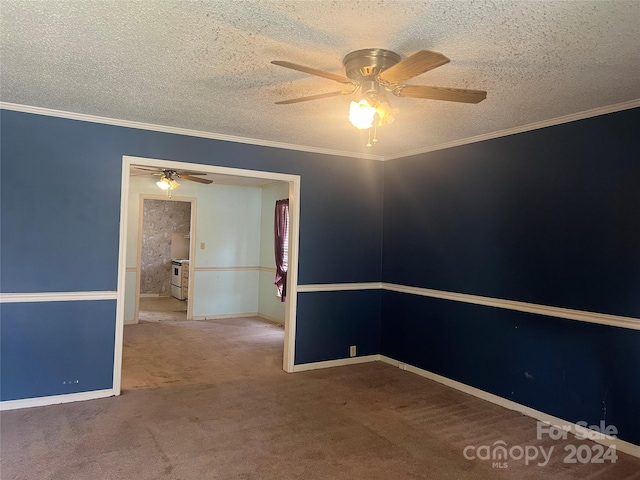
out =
column 199, row 257
column 164, row 246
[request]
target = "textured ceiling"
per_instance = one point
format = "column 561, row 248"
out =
column 206, row 65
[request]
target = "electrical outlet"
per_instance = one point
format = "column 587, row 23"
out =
column 352, row 351
column 201, row 245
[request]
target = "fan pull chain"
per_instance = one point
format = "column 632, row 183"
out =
column 369, row 142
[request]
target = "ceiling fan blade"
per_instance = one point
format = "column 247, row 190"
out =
column 137, row 171
column 313, row 97
column 441, row 93
column 182, row 173
column 312, row 71
column 412, row 66
column 196, row 179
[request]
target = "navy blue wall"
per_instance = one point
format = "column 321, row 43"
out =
column 354, row 314
column 60, row 207
column 572, row 370
column 45, row 348
column 60, row 192
column 549, row 217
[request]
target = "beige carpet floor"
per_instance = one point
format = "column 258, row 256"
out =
column 162, row 309
column 209, row 400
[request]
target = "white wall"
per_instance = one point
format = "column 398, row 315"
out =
column 269, row 305
column 226, row 270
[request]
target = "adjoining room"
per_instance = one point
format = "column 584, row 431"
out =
column 197, row 297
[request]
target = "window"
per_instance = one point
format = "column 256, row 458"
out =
column 281, row 244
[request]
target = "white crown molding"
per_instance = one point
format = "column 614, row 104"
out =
column 180, row 131
column 55, row 399
column 571, row 427
column 56, row 297
column 594, row 112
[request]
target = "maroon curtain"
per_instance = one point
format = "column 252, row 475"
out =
column 281, row 243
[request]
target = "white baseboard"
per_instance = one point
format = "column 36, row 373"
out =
column 271, row 319
column 131, row 322
column 55, row 399
column 228, row 315
column 303, row 367
column 150, row 295
column 238, row 315
column 571, row 427
column 621, row 445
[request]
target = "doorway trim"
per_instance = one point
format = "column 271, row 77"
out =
column 192, row 245
column 294, row 238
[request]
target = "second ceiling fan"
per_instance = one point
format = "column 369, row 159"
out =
column 168, row 177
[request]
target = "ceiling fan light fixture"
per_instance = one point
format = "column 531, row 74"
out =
column 167, row 183
column 374, row 71
column 362, row 114
column 386, row 113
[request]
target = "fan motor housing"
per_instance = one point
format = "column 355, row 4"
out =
column 367, row 63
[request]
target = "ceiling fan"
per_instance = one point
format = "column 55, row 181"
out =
column 374, row 71
column 168, row 177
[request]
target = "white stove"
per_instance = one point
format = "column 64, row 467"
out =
column 178, row 282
